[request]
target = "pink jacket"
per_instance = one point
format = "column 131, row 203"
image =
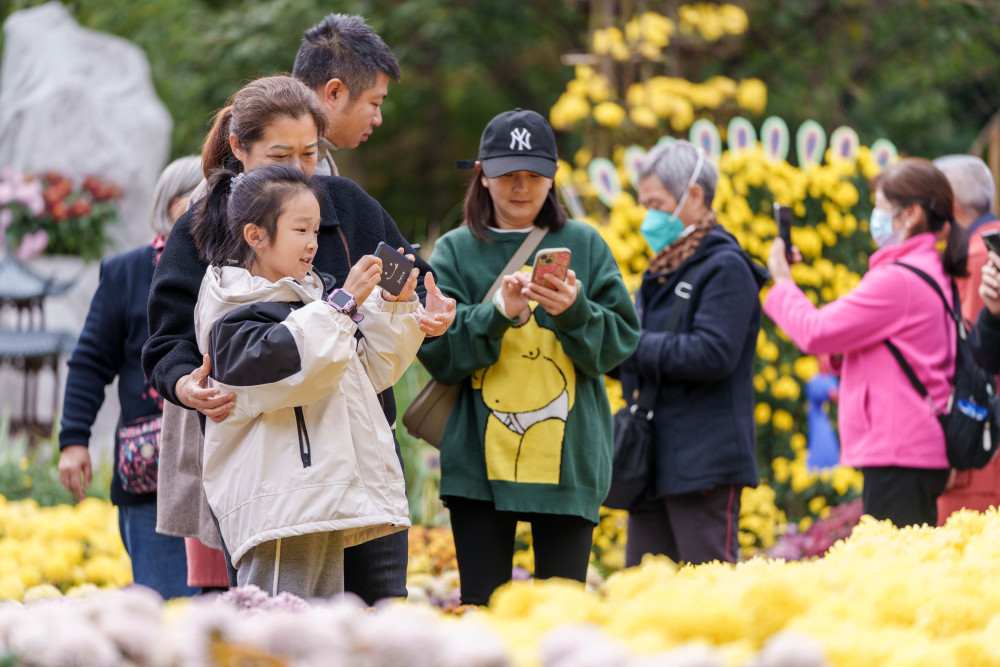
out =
column 883, row 420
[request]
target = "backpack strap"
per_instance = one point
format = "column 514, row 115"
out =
column 954, row 314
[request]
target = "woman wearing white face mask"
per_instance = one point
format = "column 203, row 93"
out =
column 700, row 315
column 886, row 428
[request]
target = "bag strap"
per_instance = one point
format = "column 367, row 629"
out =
column 953, row 314
column 647, row 395
column 518, row 259
column 680, row 304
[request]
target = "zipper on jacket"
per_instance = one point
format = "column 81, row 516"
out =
column 305, row 450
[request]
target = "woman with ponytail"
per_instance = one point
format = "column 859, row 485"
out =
column 273, row 120
column 886, row 429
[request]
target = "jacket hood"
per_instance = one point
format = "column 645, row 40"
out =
column 224, row 289
column 719, row 240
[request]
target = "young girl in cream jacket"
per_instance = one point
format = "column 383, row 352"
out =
column 305, row 465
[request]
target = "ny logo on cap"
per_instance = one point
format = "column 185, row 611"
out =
column 522, row 138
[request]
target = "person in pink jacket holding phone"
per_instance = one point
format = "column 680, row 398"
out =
column 886, row 429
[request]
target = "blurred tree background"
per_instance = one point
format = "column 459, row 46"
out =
column 917, row 72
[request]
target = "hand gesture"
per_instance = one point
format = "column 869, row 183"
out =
column 777, row 264
column 363, row 278
column 439, row 311
column 75, row 471
column 514, row 300
column 192, row 392
column 989, row 287
column 408, row 286
column 555, row 300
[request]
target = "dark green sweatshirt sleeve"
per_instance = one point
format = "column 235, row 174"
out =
column 473, row 340
column 601, row 328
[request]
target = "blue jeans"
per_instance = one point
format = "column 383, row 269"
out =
column 158, row 561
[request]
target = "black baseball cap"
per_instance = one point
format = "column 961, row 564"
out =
column 518, row 140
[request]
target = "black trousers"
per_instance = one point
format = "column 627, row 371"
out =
column 905, row 496
column 687, row 528
column 484, row 546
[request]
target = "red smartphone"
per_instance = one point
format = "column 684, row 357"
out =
column 551, row 262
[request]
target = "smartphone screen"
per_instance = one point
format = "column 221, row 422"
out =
column 783, row 216
column 395, row 268
column 551, row 262
column 991, row 238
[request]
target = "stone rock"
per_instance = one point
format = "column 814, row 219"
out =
column 80, row 102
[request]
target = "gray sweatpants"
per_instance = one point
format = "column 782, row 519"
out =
column 309, row 566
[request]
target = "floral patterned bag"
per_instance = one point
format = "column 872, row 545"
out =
column 139, row 454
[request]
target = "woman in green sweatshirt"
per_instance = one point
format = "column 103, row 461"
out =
column 530, row 436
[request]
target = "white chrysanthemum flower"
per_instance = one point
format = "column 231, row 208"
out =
column 581, row 645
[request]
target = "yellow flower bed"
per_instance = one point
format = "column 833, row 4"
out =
column 62, row 546
column 886, row 596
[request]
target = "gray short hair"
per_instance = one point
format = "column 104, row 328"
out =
column 971, row 181
column 674, row 162
column 178, row 179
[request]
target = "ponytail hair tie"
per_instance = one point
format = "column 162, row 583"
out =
column 236, row 179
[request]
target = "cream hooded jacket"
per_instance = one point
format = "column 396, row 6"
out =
column 307, row 448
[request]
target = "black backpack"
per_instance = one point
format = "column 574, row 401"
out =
column 970, row 418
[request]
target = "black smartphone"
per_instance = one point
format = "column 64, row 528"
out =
column 783, row 216
column 396, row 268
column 991, row 237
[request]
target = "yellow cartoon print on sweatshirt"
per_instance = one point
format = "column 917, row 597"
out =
column 529, row 393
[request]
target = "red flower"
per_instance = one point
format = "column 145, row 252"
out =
column 59, row 210
column 80, row 208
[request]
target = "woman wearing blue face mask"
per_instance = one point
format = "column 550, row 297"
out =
column 886, row 428
column 700, row 313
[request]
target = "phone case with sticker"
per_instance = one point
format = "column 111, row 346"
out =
column 396, row 269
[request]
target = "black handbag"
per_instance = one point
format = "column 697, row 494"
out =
column 632, row 454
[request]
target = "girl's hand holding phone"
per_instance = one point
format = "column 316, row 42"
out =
column 408, row 286
column 363, row 278
column 557, row 299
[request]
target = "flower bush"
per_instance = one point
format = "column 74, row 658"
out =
column 60, row 547
column 856, row 606
column 622, row 101
column 49, row 213
column 654, row 104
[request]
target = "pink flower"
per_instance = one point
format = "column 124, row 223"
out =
column 32, row 245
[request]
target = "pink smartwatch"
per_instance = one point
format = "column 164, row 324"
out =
column 343, row 302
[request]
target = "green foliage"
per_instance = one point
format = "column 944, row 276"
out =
column 919, row 73
column 420, row 461
column 31, row 470
column 460, row 66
